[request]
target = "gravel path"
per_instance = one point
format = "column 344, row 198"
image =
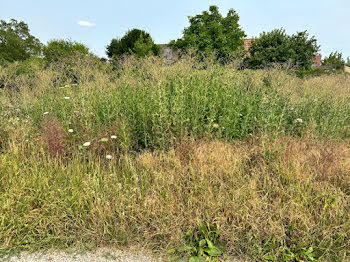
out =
column 102, row 255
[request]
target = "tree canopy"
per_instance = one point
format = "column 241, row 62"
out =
column 16, row 42
column 335, row 60
column 135, row 42
column 277, row 47
column 210, row 33
column 59, row 49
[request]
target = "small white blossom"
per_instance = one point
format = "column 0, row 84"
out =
column 109, row 157
column 70, row 130
column 114, row 137
column 215, row 126
column 86, row 144
column 298, row 120
column 45, row 113
column 66, row 97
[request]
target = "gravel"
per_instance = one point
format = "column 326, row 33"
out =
column 102, row 255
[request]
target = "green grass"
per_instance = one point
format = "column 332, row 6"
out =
column 263, row 154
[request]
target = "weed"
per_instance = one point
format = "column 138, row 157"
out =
column 201, row 243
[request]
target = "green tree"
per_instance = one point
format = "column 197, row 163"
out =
column 16, row 42
column 57, row 50
column 277, row 47
column 135, row 42
column 304, row 49
column 348, row 62
column 210, row 33
column 335, row 60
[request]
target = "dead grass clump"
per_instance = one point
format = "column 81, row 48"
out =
column 53, row 136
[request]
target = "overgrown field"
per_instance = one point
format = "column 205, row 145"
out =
column 91, row 156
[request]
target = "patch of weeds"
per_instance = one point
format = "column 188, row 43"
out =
column 291, row 249
column 201, row 244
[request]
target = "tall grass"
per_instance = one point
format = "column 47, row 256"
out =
column 256, row 151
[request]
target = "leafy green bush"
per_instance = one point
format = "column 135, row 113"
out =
column 135, row 42
column 335, row 60
column 57, row 50
column 16, row 42
column 276, row 47
column 210, row 33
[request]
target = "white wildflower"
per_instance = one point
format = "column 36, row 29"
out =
column 114, row 137
column 45, row 113
column 298, row 120
column 70, row 130
column 215, row 125
column 86, row 144
column 109, row 157
column 66, row 97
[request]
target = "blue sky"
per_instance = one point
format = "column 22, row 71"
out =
column 102, row 20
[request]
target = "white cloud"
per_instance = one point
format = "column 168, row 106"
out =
column 86, row 23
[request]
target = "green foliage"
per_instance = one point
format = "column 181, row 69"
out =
column 279, row 48
column 134, row 42
column 348, row 62
column 16, row 42
column 302, row 73
column 61, row 49
column 201, row 244
column 211, row 33
column 254, row 186
column 335, row 61
column 292, row 250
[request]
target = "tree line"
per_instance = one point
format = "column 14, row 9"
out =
column 209, row 34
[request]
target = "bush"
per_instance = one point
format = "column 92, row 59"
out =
column 135, row 42
column 335, row 61
column 57, row 50
column 276, row 47
column 16, row 42
column 210, row 33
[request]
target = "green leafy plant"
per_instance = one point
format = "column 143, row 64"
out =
column 201, row 244
column 278, row 48
column 16, row 42
column 62, row 49
column 135, row 42
column 335, row 61
column 291, row 249
column 210, row 33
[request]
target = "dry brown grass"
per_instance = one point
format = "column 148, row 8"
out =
column 254, row 190
column 53, row 136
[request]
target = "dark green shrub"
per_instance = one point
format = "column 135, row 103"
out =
column 135, row 42
column 210, row 33
column 16, row 42
column 335, row 60
column 279, row 48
